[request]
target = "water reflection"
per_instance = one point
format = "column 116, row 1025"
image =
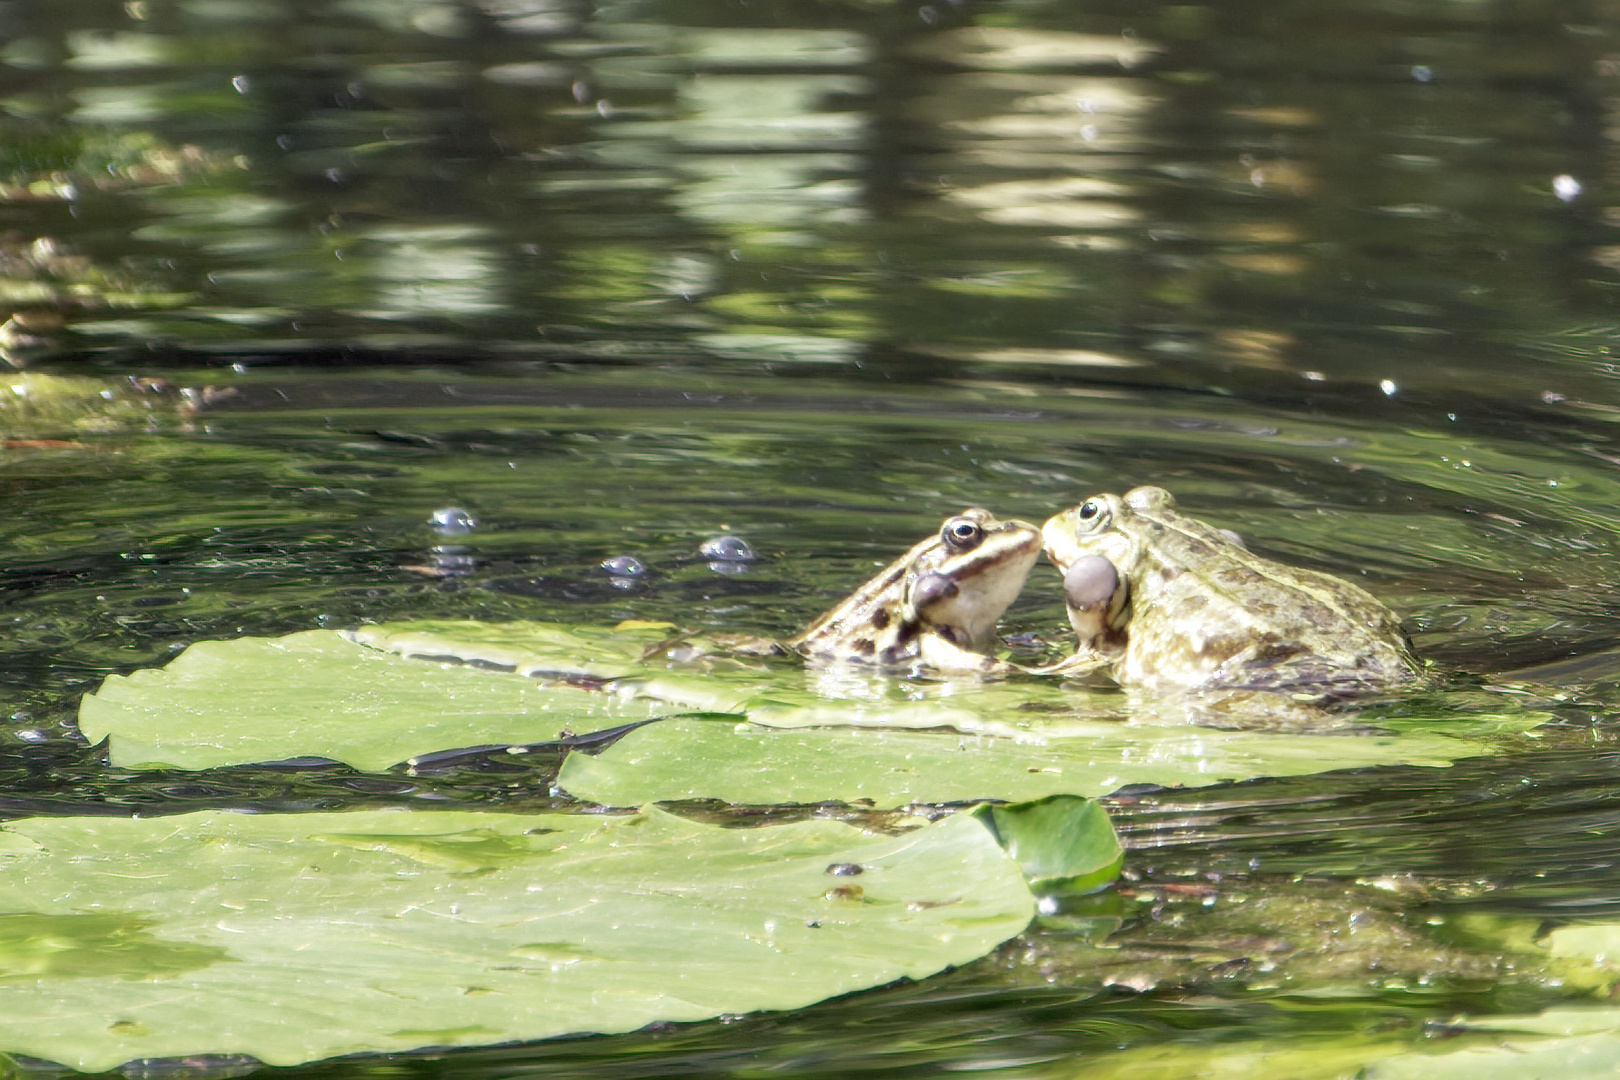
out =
column 1176, row 189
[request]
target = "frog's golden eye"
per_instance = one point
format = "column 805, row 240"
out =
column 961, row 534
column 1091, row 516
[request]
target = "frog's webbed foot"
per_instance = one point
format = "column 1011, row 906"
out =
column 938, row 655
column 703, row 648
column 750, row 645
column 1079, row 666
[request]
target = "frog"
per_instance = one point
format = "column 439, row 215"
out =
column 1165, row 602
column 935, row 608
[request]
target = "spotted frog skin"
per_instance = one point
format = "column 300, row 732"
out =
column 1166, row 602
column 936, row 606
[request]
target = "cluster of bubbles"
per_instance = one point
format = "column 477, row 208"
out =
column 724, row 554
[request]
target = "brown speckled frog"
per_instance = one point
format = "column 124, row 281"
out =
column 1165, row 602
column 935, row 608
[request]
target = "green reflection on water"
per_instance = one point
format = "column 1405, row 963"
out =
column 1170, row 186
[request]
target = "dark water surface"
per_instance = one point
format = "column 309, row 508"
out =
column 619, row 279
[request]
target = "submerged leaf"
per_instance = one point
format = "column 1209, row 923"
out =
column 295, row 937
column 1465, row 1054
column 1386, row 949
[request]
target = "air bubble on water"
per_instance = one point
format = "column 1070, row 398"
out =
column 624, row 566
column 1423, row 73
column 1566, row 187
column 727, row 549
column 453, row 520
column 1388, row 387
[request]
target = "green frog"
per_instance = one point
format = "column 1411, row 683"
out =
column 1161, row 602
column 936, row 606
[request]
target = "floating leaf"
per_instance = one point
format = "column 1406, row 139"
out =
column 530, row 648
column 690, row 758
column 316, row 694
column 295, row 937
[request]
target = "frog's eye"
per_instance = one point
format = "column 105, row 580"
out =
column 961, row 534
column 1091, row 512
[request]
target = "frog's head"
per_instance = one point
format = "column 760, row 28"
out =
column 976, row 570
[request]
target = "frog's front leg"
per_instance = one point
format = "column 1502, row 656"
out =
column 1078, row 666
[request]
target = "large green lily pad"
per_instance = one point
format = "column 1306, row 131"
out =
column 317, row 694
column 740, row 762
column 296, row 937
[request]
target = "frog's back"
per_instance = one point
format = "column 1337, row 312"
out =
column 1241, row 621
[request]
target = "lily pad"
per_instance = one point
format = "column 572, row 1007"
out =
column 740, row 762
column 532, row 649
column 290, row 938
column 317, row 694
column 381, row 695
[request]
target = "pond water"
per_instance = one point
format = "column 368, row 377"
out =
column 283, row 280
